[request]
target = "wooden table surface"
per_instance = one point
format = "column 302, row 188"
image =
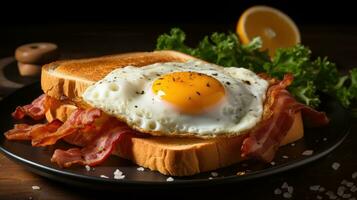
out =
column 339, row 43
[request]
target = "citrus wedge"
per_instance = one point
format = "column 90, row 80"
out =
column 275, row 28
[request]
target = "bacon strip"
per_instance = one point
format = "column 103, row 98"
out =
column 80, row 120
column 279, row 110
column 36, row 110
column 25, row 131
column 96, row 151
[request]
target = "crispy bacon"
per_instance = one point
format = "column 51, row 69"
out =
column 25, row 131
column 96, row 151
column 279, row 110
column 36, row 110
column 79, row 120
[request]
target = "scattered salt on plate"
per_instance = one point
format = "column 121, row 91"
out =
column 103, row 176
column 36, row 187
column 214, row 174
column 170, row 179
column 354, row 175
column 307, row 153
column 141, row 169
column 118, row 174
column 277, row 191
column 314, row 187
column 335, row 165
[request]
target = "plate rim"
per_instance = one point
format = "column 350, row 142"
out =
column 34, row 166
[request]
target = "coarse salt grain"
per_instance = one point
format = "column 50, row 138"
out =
column 341, row 190
column 307, row 153
column 353, row 189
column 103, row 176
column 272, row 163
column 290, row 189
column 354, row 175
column 285, row 185
column 285, row 157
column 210, row 178
column 287, row 195
column 335, row 165
column 118, row 174
column 36, row 187
column 345, row 196
column 349, row 184
column 87, row 168
column 314, row 187
column 277, row 191
column 170, row 179
column 324, row 139
column 140, row 169
column 292, row 144
column 214, row 174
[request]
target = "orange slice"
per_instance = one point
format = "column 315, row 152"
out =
column 275, row 28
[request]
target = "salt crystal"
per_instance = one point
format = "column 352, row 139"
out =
column 170, row 179
column 354, row 175
column 210, row 178
column 307, row 153
column 314, row 187
column 285, row 157
column 341, row 190
column 353, row 189
column 345, row 196
column 287, row 195
column 103, row 176
column 140, row 169
column 285, row 185
column 335, row 165
column 349, row 184
column 118, row 174
column 272, row 163
column 292, row 144
column 277, row 191
column 36, row 187
column 214, row 174
column 87, row 168
column 290, row 189
column 324, row 139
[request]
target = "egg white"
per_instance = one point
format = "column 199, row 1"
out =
column 126, row 94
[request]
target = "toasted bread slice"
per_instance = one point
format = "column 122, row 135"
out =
column 170, row 156
column 181, row 156
column 70, row 78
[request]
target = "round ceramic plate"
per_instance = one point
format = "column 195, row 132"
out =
column 320, row 140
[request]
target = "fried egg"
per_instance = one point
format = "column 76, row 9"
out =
column 182, row 99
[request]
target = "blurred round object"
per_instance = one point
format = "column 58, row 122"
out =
column 275, row 28
column 29, row 69
column 37, row 53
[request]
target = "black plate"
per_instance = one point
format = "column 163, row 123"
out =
column 320, row 140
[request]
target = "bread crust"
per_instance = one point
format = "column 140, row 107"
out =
column 181, row 156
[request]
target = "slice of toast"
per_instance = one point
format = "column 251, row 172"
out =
column 170, row 156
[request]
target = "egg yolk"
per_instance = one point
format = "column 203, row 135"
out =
column 190, row 92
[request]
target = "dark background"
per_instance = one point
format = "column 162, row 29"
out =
column 84, row 28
